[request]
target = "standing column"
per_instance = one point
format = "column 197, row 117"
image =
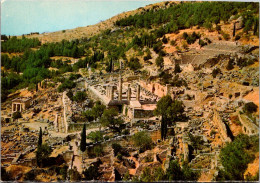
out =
column 14, row 108
column 120, row 89
column 138, row 93
column 129, row 93
column 107, row 91
column 19, row 108
column 111, row 92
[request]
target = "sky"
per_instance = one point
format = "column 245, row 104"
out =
column 25, row 16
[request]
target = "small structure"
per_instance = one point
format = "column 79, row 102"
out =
column 20, row 104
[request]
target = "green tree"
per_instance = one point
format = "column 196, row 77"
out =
column 83, row 139
column 74, row 175
column 177, row 68
column 250, row 107
column 91, row 173
column 36, row 87
column 42, row 154
column 215, row 72
column 31, row 175
column 40, row 137
column 80, row 96
column 98, row 150
column 256, row 26
column 142, row 140
column 164, row 40
column 5, row 176
column 159, row 174
column 109, row 119
column 162, row 110
column 175, row 111
column 196, row 141
column 175, row 172
column 230, row 65
column 98, row 110
column 17, row 115
column 88, row 114
column 235, row 157
column 95, row 136
column 170, row 111
column 70, row 94
column 159, row 62
column 146, row 175
column 64, row 171
column 117, row 148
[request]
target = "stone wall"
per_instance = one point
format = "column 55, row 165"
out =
column 221, row 127
column 154, row 88
column 248, row 126
column 143, row 113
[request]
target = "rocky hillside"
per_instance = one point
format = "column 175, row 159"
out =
column 91, row 30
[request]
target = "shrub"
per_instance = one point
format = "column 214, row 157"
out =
column 173, row 42
column 230, row 65
column 142, row 140
column 250, row 107
column 95, row 136
column 159, row 61
column 98, row 150
column 117, row 148
column 237, row 37
column 74, row 175
column 212, row 132
column 164, row 40
column 235, row 157
column 67, row 84
column 134, row 64
column 225, row 36
column 177, row 68
column 202, row 43
column 126, row 132
column 17, row 115
column 119, row 156
column 30, row 176
column 218, row 28
column 91, row 173
column 215, row 72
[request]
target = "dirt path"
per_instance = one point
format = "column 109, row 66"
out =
column 133, row 171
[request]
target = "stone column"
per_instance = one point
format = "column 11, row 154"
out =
column 111, row 92
column 56, row 123
column 138, row 93
column 120, row 89
column 19, row 107
column 129, row 93
column 107, row 91
column 14, row 108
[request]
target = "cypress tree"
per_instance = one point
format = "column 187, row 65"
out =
column 256, row 26
column 40, row 138
column 83, row 139
column 177, row 68
column 36, row 87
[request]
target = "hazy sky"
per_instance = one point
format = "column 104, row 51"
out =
column 25, row 16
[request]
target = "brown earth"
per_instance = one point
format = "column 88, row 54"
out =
column 253, row 168
column 253, row 96
column 91, row 30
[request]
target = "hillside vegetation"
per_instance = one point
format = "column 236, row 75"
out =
column 132, row 42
